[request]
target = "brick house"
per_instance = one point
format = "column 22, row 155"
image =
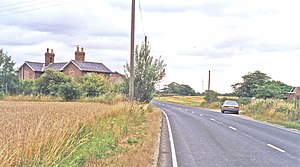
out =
column 294, row 93
column 73, row 68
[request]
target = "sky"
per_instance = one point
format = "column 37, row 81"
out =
column 228, row 37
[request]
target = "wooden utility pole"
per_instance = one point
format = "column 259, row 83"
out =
column 208, row 80
column 131, row 81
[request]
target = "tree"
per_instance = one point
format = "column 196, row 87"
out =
column 8, row 76
column 210, row 96
column 93, row 84
column 148, row 72
column 251, row 82
column 27, row 87
column 180, row 89
column 49, row 82
column 69, row 91
column 272, row 89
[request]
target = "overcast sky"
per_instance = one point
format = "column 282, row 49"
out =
column 228, row 37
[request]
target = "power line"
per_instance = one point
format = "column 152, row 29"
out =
column 141, row 17
column 38, row 8
column 24, row 6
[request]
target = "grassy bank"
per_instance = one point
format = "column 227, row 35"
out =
column 274, row 111
column 77, row 134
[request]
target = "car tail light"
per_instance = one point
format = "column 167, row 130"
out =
column 236, row 107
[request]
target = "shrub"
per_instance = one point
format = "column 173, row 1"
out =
column 93, row 84
column 211, row 96
column 49, row 82
column 69, row 91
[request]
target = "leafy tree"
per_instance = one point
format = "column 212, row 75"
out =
column 180, row 89
column 93, row 84
column 148, row 72
column 251, row 82
column 27, row 87
column 210, row 96
column 49, row 82
column 272, row 89
column 69, row 91
column 8, row 76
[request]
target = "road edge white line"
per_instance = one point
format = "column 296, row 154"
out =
column 174, row 158
column 276, row 148
column 233, row 128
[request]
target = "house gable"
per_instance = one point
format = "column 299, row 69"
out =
column 27, row 72
column 71, row 70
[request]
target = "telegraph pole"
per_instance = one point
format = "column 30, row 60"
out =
column 131, row 81
column 208, row 80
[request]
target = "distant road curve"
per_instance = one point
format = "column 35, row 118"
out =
column 208, row 138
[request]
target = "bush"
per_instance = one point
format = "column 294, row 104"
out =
column 49, row 82
column 69, row 91
column 211, row 96
column 93, row 84
column 27, row 87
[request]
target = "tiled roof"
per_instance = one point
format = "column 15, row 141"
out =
column 35, row 66
column 91, row 67
column 83, row 66
column 56, row 66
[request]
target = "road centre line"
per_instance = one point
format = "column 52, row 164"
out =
column 174, row 158
column 212, row 119
column 276, row 148
column 201, row 115
column 233, row 128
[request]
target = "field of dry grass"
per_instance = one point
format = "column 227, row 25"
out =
column 64, row 134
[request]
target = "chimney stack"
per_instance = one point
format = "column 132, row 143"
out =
column 49, row 57
column 79, row 55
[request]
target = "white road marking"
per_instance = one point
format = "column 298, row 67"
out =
column 193, row 112
column 233, row 128
column 174, row 158
column 201, row 115
column 276, row 148
column 212, row 119
column 186, row 110
column 179, row 108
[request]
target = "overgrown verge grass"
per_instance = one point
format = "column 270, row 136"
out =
column 274, row 111
column 271, row 110
column 77, row 134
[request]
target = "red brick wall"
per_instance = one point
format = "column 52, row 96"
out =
column 72, row 71
column 27, row 72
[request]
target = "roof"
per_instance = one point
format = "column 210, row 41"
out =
column 90, row 66
column 56, row 66
column 35, row 66
column 293, row 89
column 82, row 66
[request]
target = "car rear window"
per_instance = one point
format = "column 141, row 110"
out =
column 231, row 103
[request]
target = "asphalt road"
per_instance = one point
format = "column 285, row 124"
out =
column 209, row 138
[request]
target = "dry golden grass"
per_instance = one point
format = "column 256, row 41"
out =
column 47, row 133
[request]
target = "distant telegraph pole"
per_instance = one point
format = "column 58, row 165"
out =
column 208, row 80
column 131, row 81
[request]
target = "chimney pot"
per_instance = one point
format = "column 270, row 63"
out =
column 77, row 48
column 81, row 49
column 51, row 50
column 47, row 50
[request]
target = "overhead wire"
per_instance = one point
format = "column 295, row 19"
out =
column 141, row 18
column 25, row 9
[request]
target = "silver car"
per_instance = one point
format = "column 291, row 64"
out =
column 230, row 106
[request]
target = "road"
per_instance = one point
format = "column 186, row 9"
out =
column 209, row 138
